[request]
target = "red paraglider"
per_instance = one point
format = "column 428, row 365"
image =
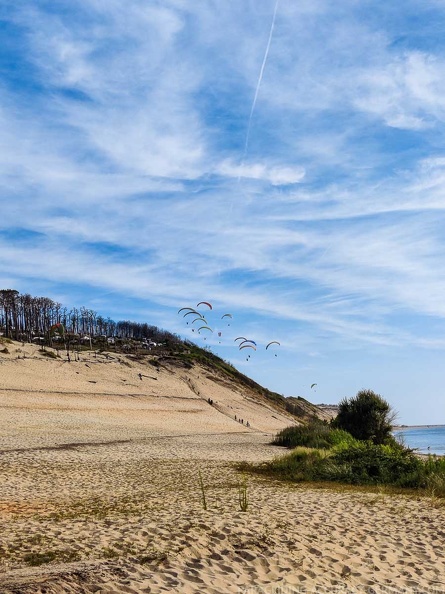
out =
column 209, row 305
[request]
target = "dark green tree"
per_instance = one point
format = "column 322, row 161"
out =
column 366, row 416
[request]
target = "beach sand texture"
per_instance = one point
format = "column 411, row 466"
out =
column 100, row 492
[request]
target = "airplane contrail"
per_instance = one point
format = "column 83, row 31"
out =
column 260, row 78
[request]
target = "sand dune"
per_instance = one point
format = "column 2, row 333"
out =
column 100, row 492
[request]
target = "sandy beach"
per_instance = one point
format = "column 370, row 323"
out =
column 100, row 492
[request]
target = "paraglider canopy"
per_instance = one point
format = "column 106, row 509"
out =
column 247, row 346
column 200, row 319
column 205, row 303
column 312, row 385
column 251, row 341
column 187, row 308
column 239, row 338
column 273, row 342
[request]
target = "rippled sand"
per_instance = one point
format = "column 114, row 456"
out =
column 100, row 492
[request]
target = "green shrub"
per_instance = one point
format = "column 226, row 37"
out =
column 49, row 354
column 368, row 463
column 340, row 437
column 302, row 464
column 366, row 416
column 361, row 463
column 313, row 435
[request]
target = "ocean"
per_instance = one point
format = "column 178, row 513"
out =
column 428, row 439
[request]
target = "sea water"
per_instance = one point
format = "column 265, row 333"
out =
column 429, row 439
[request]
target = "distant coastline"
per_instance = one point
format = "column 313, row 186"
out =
column 400, row 427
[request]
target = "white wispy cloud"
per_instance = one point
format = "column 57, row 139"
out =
column 124, row 170
column 259, row 171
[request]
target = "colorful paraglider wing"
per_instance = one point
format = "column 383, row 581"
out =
column 226, row 316
column 200, row 319
column 239, row 338
column 186, row 308
column 272, row 342
column 247, row 346
column 205, row 328
column 252, row 341
column 205, row 303
column 196, row 313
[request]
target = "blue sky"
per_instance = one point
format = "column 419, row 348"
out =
column 289, row 169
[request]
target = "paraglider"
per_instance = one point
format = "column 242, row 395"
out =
column 209, row 305
column 204, row 328
column 193, row 313
column 247, row 346
column 227, row 315
column 272, row 342
column 239, row 338
column 201, row 319
column 312, row 385
column 252, row 341
column 184, row 308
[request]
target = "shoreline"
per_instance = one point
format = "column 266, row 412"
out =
column 402, row 427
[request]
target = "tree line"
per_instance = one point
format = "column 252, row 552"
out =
column 23, row 317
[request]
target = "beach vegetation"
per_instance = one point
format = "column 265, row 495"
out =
column 366, row 416
column 203, row 492
column 152, row 555
column 34, row 559
column 359, row 463
column 50, row 354
column 242, row 495
column 315, row 434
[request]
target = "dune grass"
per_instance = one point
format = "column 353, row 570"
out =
column 323, row 454
column 315, row 434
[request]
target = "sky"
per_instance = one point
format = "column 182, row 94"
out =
column 284, row 161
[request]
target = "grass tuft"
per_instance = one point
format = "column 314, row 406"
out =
column 242, row 495
column 203, row 493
